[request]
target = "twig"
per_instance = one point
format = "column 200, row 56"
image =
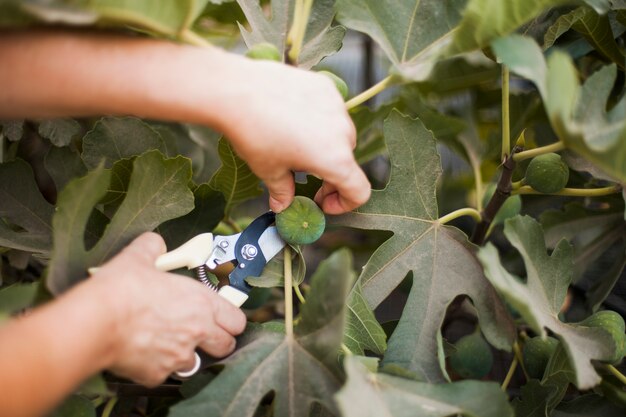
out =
column 503, row 191
column 617, row 373
column 506, row 124
column 531, row 153
column 467, row 211
column 572, row 192
column 509, row 374
column 288, row 293
column 370, row 92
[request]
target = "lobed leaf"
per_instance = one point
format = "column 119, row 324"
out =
column 320, row 38
column 440, row 258
column 157, row 191
column 234, row 179
column 363, row 332
column 412, row 33
column 368, row 394
column 539, row 300
column 300, row 372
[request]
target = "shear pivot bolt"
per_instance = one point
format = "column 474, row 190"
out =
column 224, row 244
column 249, row 252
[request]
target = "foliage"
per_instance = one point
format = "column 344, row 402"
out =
column 468, row 75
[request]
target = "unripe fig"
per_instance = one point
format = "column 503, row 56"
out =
column 613, row 323
column 301, row 223
column 511, row 207
column 537, row 353
column 547, row 173
column 472, row 358
column 264, row 51
column 341, row 85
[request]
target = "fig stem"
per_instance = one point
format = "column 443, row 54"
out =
column 296, row 288
column 617, row 373
column 518, row 355
column 531, row 153
column 345, row 349
column 509, row 374
column 572, row 192
column 233, row 225
column 370, row 92
column 108, row 408
column 298, row 28
column 506, row 119
column 288, row 292
column 467, row 211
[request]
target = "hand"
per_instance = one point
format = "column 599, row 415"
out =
column 281, row 119
column 161, row 317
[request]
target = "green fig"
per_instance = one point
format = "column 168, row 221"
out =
column 264, row 51
column 537, row 353
column 472, row 358
column 341, row 85
column 301, row 223
column 547, row 173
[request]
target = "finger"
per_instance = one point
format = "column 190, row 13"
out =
column 282, row 190
column 219, row 344
column 227, row 316
column 345, row 191
column 146, row 248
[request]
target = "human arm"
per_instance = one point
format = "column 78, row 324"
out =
column 130, row 318
column 279, row 119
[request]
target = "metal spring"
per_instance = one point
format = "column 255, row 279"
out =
column 202, row 276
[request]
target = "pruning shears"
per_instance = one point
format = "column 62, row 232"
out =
column 249, row 252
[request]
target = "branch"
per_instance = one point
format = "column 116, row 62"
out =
column 553, row 147
column 572, row 192
column 370, row 92
column 506, row 124
column 503, row 191
column 468, row 211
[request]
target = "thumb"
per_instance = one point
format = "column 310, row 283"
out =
column 282, row 190
column 145, row 248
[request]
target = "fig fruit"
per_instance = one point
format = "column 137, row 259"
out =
column 341, row 85
column 472, row 358
column 537, row 353
column 613, row 323
column 264, row 51
column 301, row 223
column 547, row 173
column 511, row 207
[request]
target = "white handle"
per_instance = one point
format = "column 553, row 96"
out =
column 191, row 254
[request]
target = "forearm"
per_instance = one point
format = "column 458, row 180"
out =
column 48, row 353
column 54, row 74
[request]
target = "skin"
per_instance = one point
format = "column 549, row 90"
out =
column 130, row 318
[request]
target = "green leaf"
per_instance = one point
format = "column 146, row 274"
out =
column 23, row 206
column 363, row 332
column 595, row 28
column 367, row 395
column 412, row 33
column 17, row 297
column 589, row 405
column 158, row 191
column 63, row 165
column 440, row 258
column 486, row 20
column 60, row 132
column 207, row 213
column 162, row 17
column 534, row 400
column 578, row 115
column 320, row 39
column 300, row 371
column 113, row 139
column 75, row 406
column 234, row 179
column 539, row 300
column 13, row 129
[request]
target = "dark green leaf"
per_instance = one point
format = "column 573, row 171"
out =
column 75, row 406
column 539, row 300
column 300, row 371
column 23, row 206
column 113, row 139
column 440, row 258
column 13, row 129
column 17, row 297
column 60, row 132
column 368, row 394
column 207, row 213
column 363, row 332
column 534, row 400
column 486, row 20
column 158, row 191
column 234, row 179
column 588, row 406
column 63, row 165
